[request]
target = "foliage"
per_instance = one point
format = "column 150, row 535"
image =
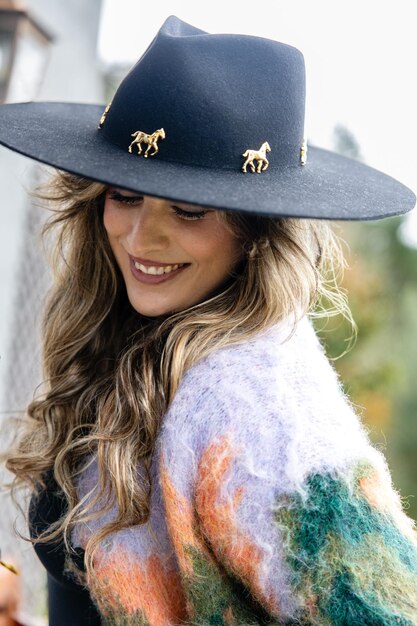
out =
column 378, row 372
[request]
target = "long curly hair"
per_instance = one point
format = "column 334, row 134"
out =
column 111, row 373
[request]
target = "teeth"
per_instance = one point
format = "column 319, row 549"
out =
column 157, row 271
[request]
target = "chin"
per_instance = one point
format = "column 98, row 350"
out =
column 150, row 311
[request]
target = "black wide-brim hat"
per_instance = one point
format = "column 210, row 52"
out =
column 195, row 111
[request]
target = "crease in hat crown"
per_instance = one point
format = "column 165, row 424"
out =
column 216, row 96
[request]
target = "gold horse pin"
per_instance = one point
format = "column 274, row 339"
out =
column 151, row 140
column 103, row 117
column 258, row 155
column 303, row 153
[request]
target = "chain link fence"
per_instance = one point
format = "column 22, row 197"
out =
column 23, row 375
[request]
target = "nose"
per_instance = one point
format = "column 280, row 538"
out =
column 149, row 231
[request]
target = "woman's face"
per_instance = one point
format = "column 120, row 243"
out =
column 149, row 235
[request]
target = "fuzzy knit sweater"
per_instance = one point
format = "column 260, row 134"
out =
column 269, row 504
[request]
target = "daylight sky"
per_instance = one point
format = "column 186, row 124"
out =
column 360, row 60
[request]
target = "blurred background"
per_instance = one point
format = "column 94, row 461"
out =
column 361, row 101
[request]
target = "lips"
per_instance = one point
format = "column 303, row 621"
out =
column 152, row 263
column 158, row 271
column 154, row 279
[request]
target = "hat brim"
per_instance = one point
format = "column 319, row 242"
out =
column 330, row 186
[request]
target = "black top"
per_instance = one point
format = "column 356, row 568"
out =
column 69, row 604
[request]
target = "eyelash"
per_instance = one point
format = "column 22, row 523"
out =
column 185, row 215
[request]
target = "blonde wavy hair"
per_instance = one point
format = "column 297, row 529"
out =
column 110, row 373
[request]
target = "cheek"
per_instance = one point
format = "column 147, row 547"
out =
column 229, row 248
column 110, row 221
column 219, row 247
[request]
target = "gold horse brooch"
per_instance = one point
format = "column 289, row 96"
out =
column 151, row 140
column 258, row 155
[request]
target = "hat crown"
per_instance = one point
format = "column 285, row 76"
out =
column 215, row 96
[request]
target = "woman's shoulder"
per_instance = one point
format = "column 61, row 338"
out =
column 277, row 392
column 268, row 347
column 281, row 370
column 281, row 359
column 274, row 403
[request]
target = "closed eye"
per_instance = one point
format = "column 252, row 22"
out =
column 118, row 197
column 134, row 200
column 188, row 215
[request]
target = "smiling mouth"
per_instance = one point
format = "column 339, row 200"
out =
column 155, row 275
column 158, row 271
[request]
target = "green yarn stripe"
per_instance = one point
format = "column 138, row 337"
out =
column 350, row 556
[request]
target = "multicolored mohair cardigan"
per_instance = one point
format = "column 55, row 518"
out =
column 269, row 504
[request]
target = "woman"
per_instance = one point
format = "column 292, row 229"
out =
column 193, row 455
